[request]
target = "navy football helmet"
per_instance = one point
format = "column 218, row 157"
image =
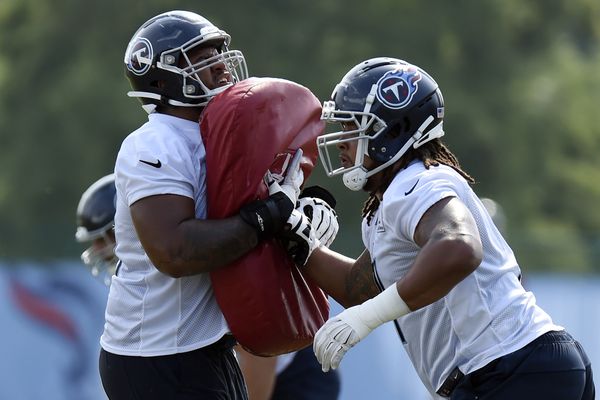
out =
column 159, row 52
column 391, row 106
column 95, row 224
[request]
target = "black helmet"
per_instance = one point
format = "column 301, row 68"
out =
column 95, row 220
column 158, row 52
column 394, row 105
column 96, row 209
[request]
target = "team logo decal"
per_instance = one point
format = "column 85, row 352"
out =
column 140, row 55
column 396, row 88
column 380, row 227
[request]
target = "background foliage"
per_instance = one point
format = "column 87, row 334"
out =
column 521, row 82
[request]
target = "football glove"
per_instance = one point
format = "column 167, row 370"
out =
column 340, row 333
column 301, row 239
column 322, row 217
column 313, row 223
column 268, row 216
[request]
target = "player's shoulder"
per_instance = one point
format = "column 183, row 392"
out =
column 416, row 180
column 434, row 173
column 157, row 137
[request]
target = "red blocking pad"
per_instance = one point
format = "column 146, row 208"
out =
column 271, row 308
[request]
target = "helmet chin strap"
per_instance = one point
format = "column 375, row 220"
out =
column 356, row 179
column 150, row 108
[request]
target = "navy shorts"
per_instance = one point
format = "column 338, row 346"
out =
column 552, row 367
column 211, row 372
column 303, row 379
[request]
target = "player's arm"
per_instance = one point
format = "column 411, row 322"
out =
column 450, row 250
column 178, row 244
column 259, row 374
column 348, row 281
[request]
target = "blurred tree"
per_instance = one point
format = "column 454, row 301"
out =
column 520, row 80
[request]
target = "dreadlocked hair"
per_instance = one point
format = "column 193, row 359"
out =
column 432, row 153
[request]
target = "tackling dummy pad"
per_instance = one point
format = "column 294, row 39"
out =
column 271, row 308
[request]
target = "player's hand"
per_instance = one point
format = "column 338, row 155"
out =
column 353, row 324
column 268, row 217
column 301, row 239
column 322, row 217
column 289, row 181
column 313, row 223
column 338, row 335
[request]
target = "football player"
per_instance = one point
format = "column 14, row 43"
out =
column 165, row 335
column 434, row 262
column 95, row 225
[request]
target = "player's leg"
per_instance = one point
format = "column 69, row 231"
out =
column 211, row 372
column 303, row 379
column 589, row 392
column 125, row 377
column 553, row 366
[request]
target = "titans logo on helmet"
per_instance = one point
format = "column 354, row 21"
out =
column 396, row 88
column 139, row 56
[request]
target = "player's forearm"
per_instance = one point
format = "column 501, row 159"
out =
column 204, row 245
column 440, row 266
column 347, row 280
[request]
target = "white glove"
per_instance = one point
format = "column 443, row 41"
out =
column 336, row 337
column 268, row 216
column 340, row 333
column 290, row 179
column 301, row 238
column 323, row 218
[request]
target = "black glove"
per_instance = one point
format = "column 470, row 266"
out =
column 268, row 216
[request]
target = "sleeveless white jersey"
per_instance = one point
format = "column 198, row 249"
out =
column 487, row 315
column 150, row 313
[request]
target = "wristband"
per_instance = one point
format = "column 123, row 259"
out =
column 386, row 306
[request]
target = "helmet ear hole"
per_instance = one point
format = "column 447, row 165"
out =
column 399, row 129
column 394, row 132
column 406, row 126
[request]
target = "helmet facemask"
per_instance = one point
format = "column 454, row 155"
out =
column 368, row 126
column 192, row 85
column 101, row 259
column 393, row 106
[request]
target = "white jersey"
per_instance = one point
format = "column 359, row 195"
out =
column 150, row 313
column 487, row 315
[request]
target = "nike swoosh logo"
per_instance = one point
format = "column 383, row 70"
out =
column 157, row 164
column 412, row 188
